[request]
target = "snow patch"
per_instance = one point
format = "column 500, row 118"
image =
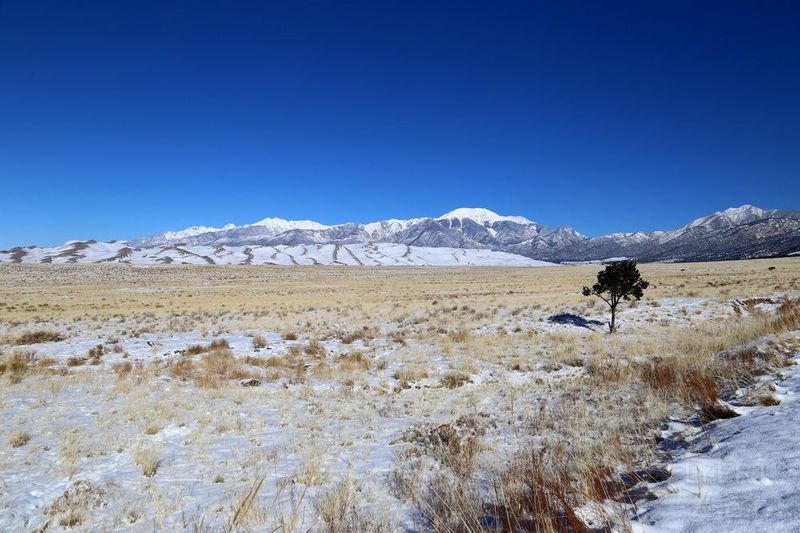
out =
column 482, row 216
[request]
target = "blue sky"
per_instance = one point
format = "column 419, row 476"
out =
column 128, row 118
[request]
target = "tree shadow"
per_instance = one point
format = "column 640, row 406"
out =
column 570, row 319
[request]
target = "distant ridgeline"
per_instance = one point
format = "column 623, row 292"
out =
column 466, row 236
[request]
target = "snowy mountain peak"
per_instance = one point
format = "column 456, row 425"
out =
column 192, row 231
column 385, row 228
column 731, row 216
column 739, row 232
column 281, row 224
column 746, row 211
column 482, row 216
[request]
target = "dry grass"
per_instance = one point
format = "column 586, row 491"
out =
column 767, row 400
column 539, row 492
column 341, row 510
column 17, row 364
column 706, row 362
column 260, row 342
column 146, row 458
column 545, row 484
column 38, row 337
column 408, row 375
column 315, row 349
column 244, row 506
column 215, row 345
column 553, row 418
column 215, row 367
column 168, row 293
column 452, row 380
column 76, row 504
column 460, row 336
column 354, row 360
column 195, row 349
column 19, row 438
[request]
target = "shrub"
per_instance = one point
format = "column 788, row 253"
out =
column 407, row 375
column 218, row 344
column 19, row 438
column 97, row 352
column 259, row 342
column 295, row 350
column 37, row 337
column 17, row 364
column 218, row 361
column 195, row 349
column 354, row 360
column 123, row 369
column 363, row 334
column 280, row 362
column 182, row 369
column 215, row 345
column 453, row 380
column 315, row 349
column 72, row 507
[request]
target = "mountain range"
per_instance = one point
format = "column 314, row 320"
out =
column 473, row 236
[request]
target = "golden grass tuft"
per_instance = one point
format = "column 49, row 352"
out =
column 17, row 364
column 341, row 510
column 453, row 380
column 146, row 458
column 354, row 360
column 19, row 438
column 315, row 349
column 260, row 342
column 38, row 337
column 407, row 374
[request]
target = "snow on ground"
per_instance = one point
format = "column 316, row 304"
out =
column 741, row 475
column 86, row 428
column 87, row 423
column 265, row 432
column 373, row 254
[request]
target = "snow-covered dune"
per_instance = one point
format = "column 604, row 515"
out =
column 375, row 254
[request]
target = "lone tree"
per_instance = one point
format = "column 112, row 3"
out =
column 619, row 281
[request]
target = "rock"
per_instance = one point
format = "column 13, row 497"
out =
column 251, row 382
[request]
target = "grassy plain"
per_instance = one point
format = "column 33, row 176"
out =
column 386, row 398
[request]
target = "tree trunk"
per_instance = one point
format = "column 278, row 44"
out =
column 613, row 319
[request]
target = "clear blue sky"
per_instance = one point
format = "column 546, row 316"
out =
column 127, row 118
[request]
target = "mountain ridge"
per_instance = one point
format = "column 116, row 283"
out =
column 736, row 233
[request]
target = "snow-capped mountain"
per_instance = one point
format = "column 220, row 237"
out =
column 473, row 228
column 268, row 227
column 462, row 236
column 736, row 233
column 192, row 231
column 481, row 216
